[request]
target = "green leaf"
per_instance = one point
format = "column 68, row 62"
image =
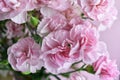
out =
column 4, row 62
column 26, row 73
column 34, row 21
column 66, row 75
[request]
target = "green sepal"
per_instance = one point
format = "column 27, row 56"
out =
column 34, row 21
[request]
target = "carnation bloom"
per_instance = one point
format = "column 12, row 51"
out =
column 62, row 48
column 102, row 12
column 55, row 50
column 87, row 36
column 24, row 56
column 15, row 9
column 13, row 30
column 107, row 21
column 52, row 20
column 55, row 20
column 60, row 5
column 106, row 68
column 95, row 8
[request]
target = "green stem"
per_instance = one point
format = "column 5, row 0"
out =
column 76, row 62
column 54, row 76
column 29, row 28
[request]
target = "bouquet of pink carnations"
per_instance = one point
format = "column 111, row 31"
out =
column 56, row 39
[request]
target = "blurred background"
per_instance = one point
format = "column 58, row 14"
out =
column 112, row 38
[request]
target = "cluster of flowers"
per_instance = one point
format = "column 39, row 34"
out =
column 70, row 37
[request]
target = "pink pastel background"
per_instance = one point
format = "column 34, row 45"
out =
column 112, row 37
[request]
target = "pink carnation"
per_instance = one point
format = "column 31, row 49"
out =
column 87, row 36
column 95, row 8
column 24, row 56
column 103, row 12
column 52, row 20
column 59, row 5
column 62, row 48
column 108, row 20
column 15, row 9
column 106, row 68
column 13, row 30
column 56, row 48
